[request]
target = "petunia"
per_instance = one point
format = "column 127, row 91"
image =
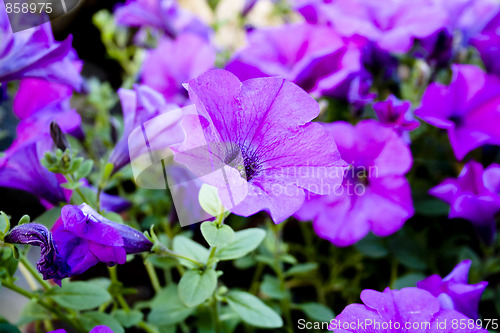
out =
column 188, row 57
column 259, row 130
column 85, row 238
column 468, row 108
column 314, row 57
column 21, row 169
column 405, row 310
column 394, row 26
column 396, row 114
column 34, row 53
column 140, row 106
column 164, row 15
column 51, row 264
column 487, row 42
column 374, row 195
column 97, row 329
column 454, row 292
column 473, row 196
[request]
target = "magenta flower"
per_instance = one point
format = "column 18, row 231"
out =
column 164, row 15
column 473, row 196
column 51, row 264
column 85, row 238
column 405, row 310
column 34, row 53
column 397, row 115
column 261, row 129
column 97, row 329
column 314, row 57
column 374, row 196
column 468, row 108
column 139, row 106
column 189, row 57
column 393, row 25
column 454, row 292
column 487, row 42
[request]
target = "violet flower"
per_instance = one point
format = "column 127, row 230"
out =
column 97, row 329
column 34, row 53
column 51, row 264
column 314, row 57
column 468, row 108
column 393, row 25
column 189, row 57
column 396, row 114
column 487, row 43
column 405, row 310
column 374, row 196
column 454, row 292
column 473, row 196
column 21, row 169
column 85, row 238
column 141, row 105
column 261, row 129
column 164, row 15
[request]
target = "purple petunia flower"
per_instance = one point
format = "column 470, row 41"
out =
column 314, row 57
column 468, row 108
column 374, row 196
column 393, row 25
column 261, row 129
column 21, row 169
column 164, row 15
column 405, row 310
column 487, row 42
column 396, row 114
column 189, row 57
column 474, row 195
column 85, row 238
column 454, row 292
column 34, row 53
column 51, row 264
column 139, row 106
column 97, row 329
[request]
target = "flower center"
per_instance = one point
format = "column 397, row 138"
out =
column 246, row 162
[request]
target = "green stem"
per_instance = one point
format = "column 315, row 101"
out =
column 47, row 306
column 161, row 250
column 215, row 314
column 152, row 276
column 34, row 273
column 70, row 179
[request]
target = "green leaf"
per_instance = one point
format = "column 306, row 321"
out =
column 372, row 246
column 252, row 310
column 24, row 219
column 96, row 318
column 217, row 236
column 84, row 169
column 72, row 185
column 4, row 223
column 317, row 311
column 210, row 201
column 190, row 249
column 245, row 241
column 197, row 286
column 127, row 318
column 432, row 207
column 408, row 251
column 6, row 327
column 80, row 295
column 408, row 280
column 33, row 312
column 49, row 217
column 272, row 288
column 305, row 268
column 167, row 308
